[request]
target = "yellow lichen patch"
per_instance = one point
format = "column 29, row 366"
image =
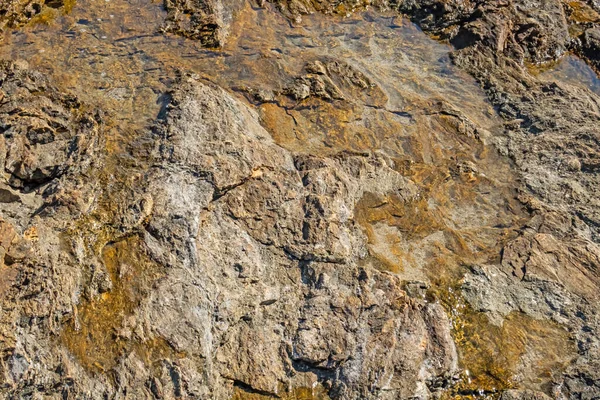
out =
column 581, row 12
column 48, row 14
column 579, row 16
column 31, row 234
column 300, row 393
column 522, row 352
column 536, row 69
column 103, row 327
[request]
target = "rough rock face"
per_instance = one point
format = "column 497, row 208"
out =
column 14, row 13
column 590, row 46
column 212, row 259
column 263, row 303
column 207, row 21
column 18, row 12
column 533, row 29
column 552, row 136
column 44, row 132
column 291, row 299
column 551, row 133
column 49, row 144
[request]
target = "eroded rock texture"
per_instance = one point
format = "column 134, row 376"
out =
column 244, row 272
column 322, row 233
column 14, row 13
column 207, row 21
column 49, row 146
column 45, row 133
column 551, row 133
column 267, row 254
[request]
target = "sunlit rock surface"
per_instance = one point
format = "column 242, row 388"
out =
column 300, row 200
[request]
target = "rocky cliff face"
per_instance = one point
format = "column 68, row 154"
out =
column 252, row 246
column 300, row 216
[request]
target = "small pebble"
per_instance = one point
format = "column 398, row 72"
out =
column 574, row 164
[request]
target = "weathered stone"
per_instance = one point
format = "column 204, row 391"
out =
column 204, row 20
column 591, row 46
column 524, row 395
column 228, row 264
column 298, row 290
column 44, row 132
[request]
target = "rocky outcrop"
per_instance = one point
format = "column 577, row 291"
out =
column 213, row 259
column 242, row 272
column 18, row 12
column 207, row 21
column 50, row 143
column 536, row 30
column 44, row 133
column 590, row 46
column 14, row 13
column 551, row 133
column 332, row 80
column 268, row 244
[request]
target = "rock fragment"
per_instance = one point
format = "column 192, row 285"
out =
column 204, row 20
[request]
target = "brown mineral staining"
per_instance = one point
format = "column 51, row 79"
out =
column 411, row 219
column 103, row 329
column 298, row 393
column 299, row 200
column 431, row 223
column 491, row 354
column 580, row 12
column 52, row 10
column 522, row 351
column 18, row 13
column 294, row 9
column 539, row 68
column 399, row 230
column 8, row 273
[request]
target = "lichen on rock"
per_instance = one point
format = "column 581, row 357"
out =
column 315, row 210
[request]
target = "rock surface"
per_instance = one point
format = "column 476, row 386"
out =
column 238, row 301
column 278, row 298
column 15, row 13
column 207, row 21
column 315, row 229
column 552, row 135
